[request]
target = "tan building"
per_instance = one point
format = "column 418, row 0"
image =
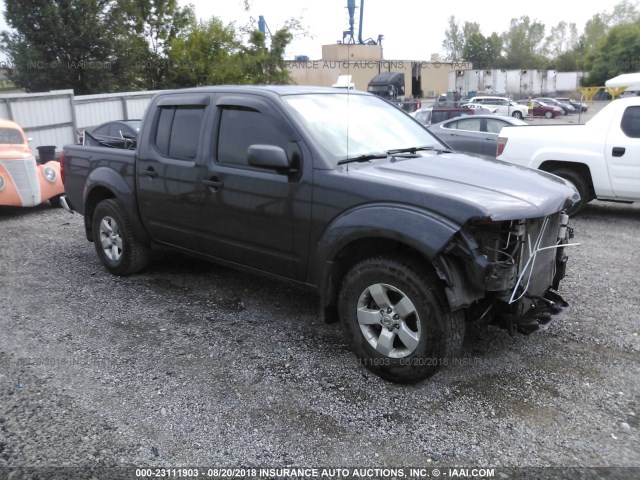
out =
column 423, row 79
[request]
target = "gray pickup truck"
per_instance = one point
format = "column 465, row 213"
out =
column 405, row 241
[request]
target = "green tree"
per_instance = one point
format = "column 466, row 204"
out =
column 149, row 27
column 453, row 42
column 618, row 53
column 483, row 52
column 207, row 54
column 623, row 13
column 60, row 44
column 265, row 65
column 562, row 38
column 494, row 51
column 523, row 44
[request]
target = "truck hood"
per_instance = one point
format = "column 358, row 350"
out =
column 462, row 186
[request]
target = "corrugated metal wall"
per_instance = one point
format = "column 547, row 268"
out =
column 53, row 118
column 514, row 83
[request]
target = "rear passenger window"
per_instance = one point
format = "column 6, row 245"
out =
column 178, row 132
column 242, row 127
column 494, row 126
column 472, row 124
column 630, row 123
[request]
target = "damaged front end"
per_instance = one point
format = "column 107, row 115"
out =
column 507, row 272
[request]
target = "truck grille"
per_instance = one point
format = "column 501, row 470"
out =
column 544, row 263
column 510, row 246
column 24, row 174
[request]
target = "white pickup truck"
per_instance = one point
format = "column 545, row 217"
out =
column 600, row 158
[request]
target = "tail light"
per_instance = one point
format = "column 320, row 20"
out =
column 62, row 166
column 502, row 142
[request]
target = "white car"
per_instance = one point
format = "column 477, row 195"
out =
column 503, row 106
column 476, row 106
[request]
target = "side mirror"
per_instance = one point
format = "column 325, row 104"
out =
column 269, row 157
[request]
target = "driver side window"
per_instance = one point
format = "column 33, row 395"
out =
column 241, row 127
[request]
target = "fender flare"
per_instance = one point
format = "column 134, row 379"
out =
column 110, row 180
column 419, row 229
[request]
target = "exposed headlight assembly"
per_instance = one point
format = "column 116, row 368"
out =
column 50, row 174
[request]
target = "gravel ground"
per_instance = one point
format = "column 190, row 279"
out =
column 194, row 364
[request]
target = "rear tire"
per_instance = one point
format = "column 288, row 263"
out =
column 396, row 317
column 580, row 184
column 113, row 236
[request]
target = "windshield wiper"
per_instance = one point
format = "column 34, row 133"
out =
column 364, row 158
column 418, row 149
column 409, row 150
column 391, row 153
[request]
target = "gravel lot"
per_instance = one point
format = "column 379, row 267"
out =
column 194, row 364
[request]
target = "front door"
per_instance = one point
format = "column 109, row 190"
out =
column 254, row 216
column 623, row 155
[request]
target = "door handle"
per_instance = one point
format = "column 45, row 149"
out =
column 150, row 172
column 618, row 151
column 213, row 183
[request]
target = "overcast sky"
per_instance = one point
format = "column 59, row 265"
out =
column 412, row 29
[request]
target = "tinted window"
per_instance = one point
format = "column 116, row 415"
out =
column 452, row 125
column 239, row 129
column 163, row 133
column 437, row 117
column 185, row 133
column 630, row 123
column 10, row 136
column 178, row 132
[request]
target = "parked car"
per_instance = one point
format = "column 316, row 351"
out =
column 541, row 109
column 503, row 105
column 114, row 134
column 579, row 106
column 482, row 109
column 476, row 134
column 343, row 193
column 24, row 183
column 429, row 115
column 565, row 106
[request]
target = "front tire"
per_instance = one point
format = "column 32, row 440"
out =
column 397, row 320
column 113, row 236
column 580, row 184
column 517, row 114
column 548, row 114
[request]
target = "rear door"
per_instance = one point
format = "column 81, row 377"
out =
column 622, row 152
column 467, row 135
column 168, row 171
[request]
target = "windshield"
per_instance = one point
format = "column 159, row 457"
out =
column 10, row 136
column 348, row 126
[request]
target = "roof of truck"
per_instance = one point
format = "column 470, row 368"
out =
column 274, row 89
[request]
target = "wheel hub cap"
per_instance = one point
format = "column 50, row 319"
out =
column 388, row 320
